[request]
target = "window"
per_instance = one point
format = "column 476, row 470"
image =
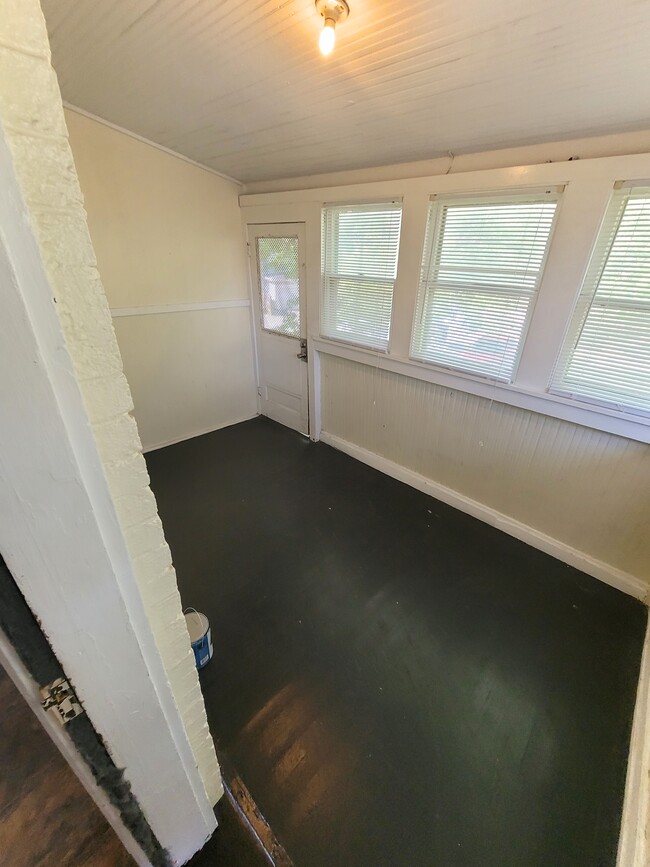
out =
column 606, row 355
column 279, row 273
column 359, row 264
column 481, row 269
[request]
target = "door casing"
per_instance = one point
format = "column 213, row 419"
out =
column 283, row 379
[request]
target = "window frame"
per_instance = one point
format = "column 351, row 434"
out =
column 437, row 202
column 323, row 301
column 597, row 262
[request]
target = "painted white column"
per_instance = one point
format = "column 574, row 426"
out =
column 581, row 211
column 61, row 539
column 80, row 529
column 415, row 209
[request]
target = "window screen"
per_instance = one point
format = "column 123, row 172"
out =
column 279, row 273
column 481, row 270
column 606, row 355
column 359, row 264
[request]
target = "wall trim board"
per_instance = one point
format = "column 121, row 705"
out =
column 588, row 147
column 180, row 308
column 630, row 166
column 634, row 842
column 611, row 575
column 172, row 442
column 82, row 111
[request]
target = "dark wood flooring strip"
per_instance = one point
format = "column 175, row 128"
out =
column 47, row 819
column 22, row 629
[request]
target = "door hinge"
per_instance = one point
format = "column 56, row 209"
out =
column 59, row 700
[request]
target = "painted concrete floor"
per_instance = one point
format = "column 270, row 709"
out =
column 396, row 682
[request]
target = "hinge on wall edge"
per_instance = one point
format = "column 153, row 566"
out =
column 59, row 700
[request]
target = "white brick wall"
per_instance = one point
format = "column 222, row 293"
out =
column 31, row 114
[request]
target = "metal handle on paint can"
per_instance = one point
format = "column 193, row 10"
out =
column 189, row 608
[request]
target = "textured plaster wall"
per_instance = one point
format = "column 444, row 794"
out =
column 31, row 114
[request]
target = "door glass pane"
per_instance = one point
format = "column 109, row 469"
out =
column 279, row 273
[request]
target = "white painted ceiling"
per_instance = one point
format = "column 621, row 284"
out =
column 240, row 86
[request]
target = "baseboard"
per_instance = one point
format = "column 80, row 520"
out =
column 629, row 584
column 634, row 842
column 198, row 433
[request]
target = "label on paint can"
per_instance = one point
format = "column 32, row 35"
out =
column 201, row 637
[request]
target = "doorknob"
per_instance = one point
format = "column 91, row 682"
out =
column 302, row 355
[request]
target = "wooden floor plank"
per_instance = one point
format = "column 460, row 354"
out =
column 47, row 819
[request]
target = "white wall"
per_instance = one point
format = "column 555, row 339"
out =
column 167, row 233
column 569, row 478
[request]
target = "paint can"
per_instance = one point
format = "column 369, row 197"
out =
column 198, row 626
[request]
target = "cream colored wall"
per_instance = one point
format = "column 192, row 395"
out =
column 585, row 488
column 31, row 114
column 206, row 363
column 167, row 232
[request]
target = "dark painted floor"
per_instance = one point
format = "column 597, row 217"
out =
column 231, row 845
column 395, row 682
column 47, row 819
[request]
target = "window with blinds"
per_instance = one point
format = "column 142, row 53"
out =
column 606, row 354
column 359, row 265
column 481, row 269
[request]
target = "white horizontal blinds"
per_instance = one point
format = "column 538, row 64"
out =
column 359, row 264
column 481, row 270
column 606, row 355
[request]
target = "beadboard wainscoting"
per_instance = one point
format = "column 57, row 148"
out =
column 577, row 493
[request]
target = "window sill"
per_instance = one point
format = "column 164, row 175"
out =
column 627, row 425
column 364, row 347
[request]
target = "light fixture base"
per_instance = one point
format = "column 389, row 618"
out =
column 336, row 10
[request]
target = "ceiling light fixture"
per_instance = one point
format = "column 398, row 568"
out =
column 332, row 11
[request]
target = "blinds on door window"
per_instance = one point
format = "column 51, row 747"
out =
column 606, row 354
column 481, row 269
column 359, row 265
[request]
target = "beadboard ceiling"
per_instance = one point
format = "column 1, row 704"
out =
column 240, row 86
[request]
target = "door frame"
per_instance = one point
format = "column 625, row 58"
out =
column 62, row 542
column 308, row 214
column 306, row 315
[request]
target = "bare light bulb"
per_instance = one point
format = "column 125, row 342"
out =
column 327, row 37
